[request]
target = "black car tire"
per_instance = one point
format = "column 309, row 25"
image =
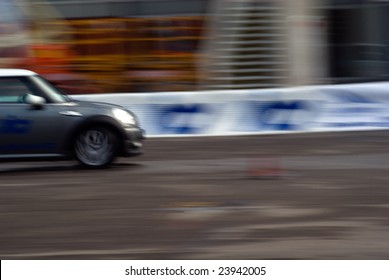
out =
column 96, row 146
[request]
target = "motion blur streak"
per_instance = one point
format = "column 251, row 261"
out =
column 195, row 198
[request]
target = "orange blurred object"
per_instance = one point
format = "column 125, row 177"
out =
column 49, row 59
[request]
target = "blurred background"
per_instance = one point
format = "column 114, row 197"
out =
column 283, row 196
column 92, row 46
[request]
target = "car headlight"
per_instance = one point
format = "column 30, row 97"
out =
column 124, row 117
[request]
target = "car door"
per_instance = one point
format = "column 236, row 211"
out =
column 25, row 129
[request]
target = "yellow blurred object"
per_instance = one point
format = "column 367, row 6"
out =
column 115, row 54
column 117, row 49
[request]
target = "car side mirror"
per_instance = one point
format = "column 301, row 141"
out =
column 35, row 101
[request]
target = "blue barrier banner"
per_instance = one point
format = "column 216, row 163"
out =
column 299, row 109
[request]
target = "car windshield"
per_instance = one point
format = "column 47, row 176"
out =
column 54, row 94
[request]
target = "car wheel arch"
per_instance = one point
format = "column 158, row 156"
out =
column 102, row 121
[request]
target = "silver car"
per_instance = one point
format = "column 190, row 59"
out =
column 37, row 121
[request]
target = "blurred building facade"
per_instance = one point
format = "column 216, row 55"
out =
column 261, row 44
column 358, row 40
column 169, row 45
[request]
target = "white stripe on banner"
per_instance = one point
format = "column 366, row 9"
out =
column 245, row 112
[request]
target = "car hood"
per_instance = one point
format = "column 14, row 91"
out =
column 93, row 104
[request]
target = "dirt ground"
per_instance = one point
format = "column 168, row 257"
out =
column 289, row 196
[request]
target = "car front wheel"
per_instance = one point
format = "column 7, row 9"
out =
column 96, row 146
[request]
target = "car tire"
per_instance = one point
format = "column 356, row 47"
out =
column 96, row 147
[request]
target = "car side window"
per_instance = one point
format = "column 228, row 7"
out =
column 12, row 90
